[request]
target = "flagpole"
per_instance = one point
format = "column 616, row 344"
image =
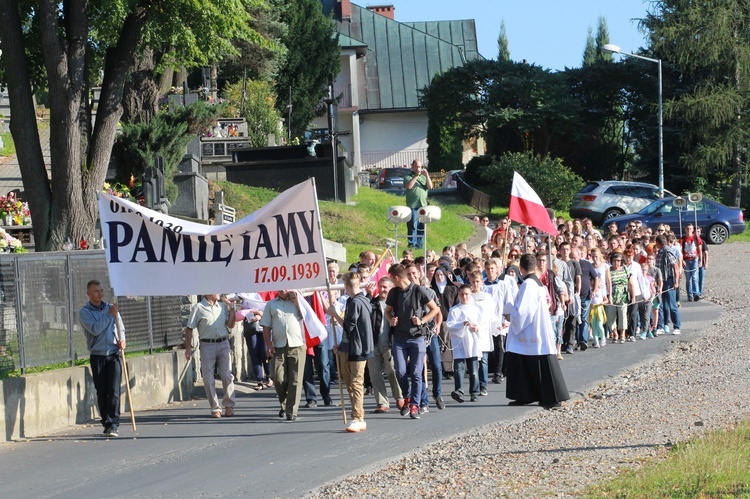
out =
column 118, row 322
column 330, row 303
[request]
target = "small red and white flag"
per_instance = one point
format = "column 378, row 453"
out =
column 527, row 208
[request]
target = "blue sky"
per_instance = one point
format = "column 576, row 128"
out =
column 548, row 33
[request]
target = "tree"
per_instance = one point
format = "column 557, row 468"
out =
column 602, row 38
column 589, row 52
column 503, row 54
column 59, row 42
column 258, row 109
column 709, row 46
column 312, row 57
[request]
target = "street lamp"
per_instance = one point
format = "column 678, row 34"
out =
column 614, row 49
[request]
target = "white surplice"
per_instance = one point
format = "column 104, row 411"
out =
column 530, row 330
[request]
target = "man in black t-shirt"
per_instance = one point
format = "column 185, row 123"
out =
column 409, row 309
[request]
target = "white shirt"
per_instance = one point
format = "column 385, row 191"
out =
column 530, row 330
column 465, row 342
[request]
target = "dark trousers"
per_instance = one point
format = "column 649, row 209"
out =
column 496, row 356
column 256, row 348
column 320, row 362
column 107, row 373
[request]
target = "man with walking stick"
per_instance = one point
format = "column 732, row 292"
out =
column 99, row 321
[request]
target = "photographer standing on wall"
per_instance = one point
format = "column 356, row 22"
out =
column 417, row 184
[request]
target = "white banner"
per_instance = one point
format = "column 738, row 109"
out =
column 279, row 246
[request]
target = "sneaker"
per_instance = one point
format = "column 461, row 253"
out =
column 458, row 396
column 650, row 335
column 569, row 349
column 496, row 379
column 603, row 342
column 583, row 346
column 112, row 432
column 355, row 425
column 596, row 344
column 405, row 407
column 312, row 404
column 424, row 409
column 676, row 331
column 473, row 397
column 291, row 417
column 643, row 335
column 696, row 298
column 282, row 413
column 659, row 331
column 414, row 412
column 106, row 431
column 483, row 392
column 631, row 339
column 439, row 403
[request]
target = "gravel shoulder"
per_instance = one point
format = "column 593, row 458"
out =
column 696, row 386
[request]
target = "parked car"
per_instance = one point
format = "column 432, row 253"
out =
column 392, row 178
column 451, row 179
column 716, row 220
column 604, row 199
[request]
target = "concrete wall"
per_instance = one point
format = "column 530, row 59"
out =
column 39, row 404
column 398, row 131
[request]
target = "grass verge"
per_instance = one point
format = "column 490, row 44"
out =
column 363, row 225
column 9, row 147
column 715, row 465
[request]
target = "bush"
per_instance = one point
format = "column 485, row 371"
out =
column 554, row 182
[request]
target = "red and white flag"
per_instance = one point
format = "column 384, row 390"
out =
column 527, row 208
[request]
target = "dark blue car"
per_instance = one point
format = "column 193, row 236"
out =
column 717, row 221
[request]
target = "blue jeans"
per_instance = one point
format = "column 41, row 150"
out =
column 408, row 361
column 320, row 362
column 669, row 310
column 415, row 229
column 691, row 278
column 483, row 370
column 436, row 365
column 701, row 278
column 459, row 370
column 557, row 325
column 582, row 330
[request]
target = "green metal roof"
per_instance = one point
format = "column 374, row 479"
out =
column 402, row 58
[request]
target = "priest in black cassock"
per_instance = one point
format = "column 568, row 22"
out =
column 533, row 372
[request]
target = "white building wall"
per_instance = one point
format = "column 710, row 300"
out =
column 393, row 139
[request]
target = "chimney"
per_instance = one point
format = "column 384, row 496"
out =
column 346, row 10
column 388, row 11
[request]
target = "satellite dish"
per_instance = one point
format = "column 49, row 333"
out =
column 399, row 214
column 428, row 214
column 679, row 202
column 695, row 197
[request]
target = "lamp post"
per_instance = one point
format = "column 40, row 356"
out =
column 614, row 49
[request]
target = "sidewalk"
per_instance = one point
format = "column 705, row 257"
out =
column 10, row 170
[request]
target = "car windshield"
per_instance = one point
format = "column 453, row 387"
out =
column 652, row 208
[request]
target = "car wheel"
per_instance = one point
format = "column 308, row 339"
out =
column 717, row 234
column 612, row 213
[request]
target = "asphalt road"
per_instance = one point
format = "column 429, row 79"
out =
column 181, row 451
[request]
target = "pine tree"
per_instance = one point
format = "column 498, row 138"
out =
column 602, row 38
column 589, row 53
column 503, row 54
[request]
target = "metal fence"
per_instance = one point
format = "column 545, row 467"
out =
column 474, row 197
column 41, row 294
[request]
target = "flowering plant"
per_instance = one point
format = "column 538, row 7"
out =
column 117, row 189
column 9, row 244
column 10, row 205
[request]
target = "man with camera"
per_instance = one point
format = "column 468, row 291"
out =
column 417, row 184
column 285, row 343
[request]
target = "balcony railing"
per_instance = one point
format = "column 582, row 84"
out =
column 388, row 159
column 343, row 95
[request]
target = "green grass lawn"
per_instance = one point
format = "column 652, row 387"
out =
column 363, row 225
column 717, row 465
